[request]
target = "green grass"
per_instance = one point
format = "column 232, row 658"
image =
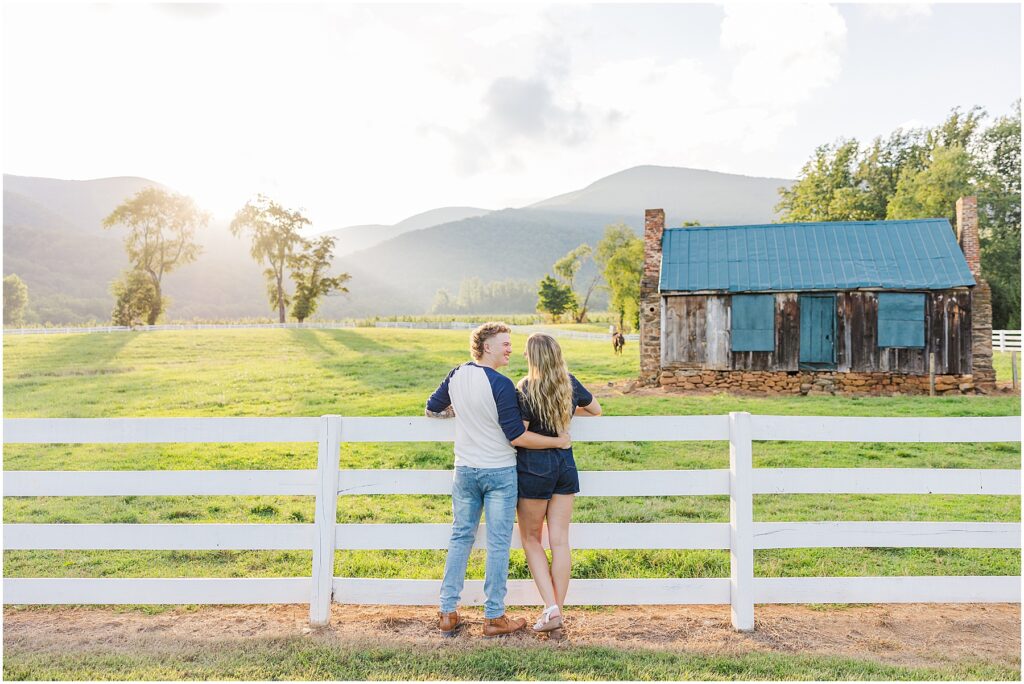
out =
column 314, row 658
column 1003, row 367
column 391, row 372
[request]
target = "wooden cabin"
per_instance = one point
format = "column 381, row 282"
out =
column 793, row 307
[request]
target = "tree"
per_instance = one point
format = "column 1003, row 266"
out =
column 554, row 298
column 476, row 297
column 15, row 300
column 999, row 216
column 161, row 235
column 813, row 196
column 308, row 267
column 567, row 267
column 134, row 298
column 274, row 231
column 920, row 173
column 934, row 190
column 620, row 256
column 442, row 302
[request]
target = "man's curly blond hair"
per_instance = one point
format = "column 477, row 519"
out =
column 482, row 334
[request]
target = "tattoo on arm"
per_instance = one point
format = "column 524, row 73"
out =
column 448, row 412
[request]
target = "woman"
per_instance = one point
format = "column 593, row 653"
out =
column 548, row 398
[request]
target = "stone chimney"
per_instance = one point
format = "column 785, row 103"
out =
column 981, row 295
column 967, row 233
column 650, row 299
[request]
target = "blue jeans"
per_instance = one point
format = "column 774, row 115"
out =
column 494, row 490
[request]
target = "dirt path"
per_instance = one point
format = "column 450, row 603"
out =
column 909, row 634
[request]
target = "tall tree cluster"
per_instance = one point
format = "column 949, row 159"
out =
column 275, row 240
column 161, row 237
column 920, row 173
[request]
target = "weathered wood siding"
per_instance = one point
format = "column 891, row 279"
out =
column 684, row 335
column 718, row 325
column 948, row 330
column 696, row 335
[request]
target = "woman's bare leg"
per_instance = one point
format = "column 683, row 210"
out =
column 559, row 515
column 531, row 527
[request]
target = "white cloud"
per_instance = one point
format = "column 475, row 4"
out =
column 784, row 52
column 897, row 11
column 367, row 113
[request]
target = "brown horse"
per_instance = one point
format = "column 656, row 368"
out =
column 618, row 342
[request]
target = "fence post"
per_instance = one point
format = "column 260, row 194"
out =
column 325, row 520
column 741, row 522
column 931, row 374
column 1002, row 340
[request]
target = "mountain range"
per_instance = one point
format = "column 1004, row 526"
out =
column 53, row 239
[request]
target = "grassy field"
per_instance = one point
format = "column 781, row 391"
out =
column 312, row 659
column 378, row 372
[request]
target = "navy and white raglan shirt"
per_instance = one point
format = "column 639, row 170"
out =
column 487, row 415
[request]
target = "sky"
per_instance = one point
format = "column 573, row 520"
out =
column 372, row 113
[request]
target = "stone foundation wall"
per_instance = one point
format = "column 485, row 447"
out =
column 812, row 382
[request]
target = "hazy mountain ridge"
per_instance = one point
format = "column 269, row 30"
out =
column 710, row 197
column 354, row 238
column 53, row 240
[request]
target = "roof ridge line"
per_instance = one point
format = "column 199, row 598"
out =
column 813, row 223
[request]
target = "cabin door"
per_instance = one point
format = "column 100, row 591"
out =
column 817, row 331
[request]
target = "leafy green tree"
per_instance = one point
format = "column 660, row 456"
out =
column 878, row 172
column 999, row 215
column 161, row 235
column 135, row 298
column 567, row 268
column 920, row 173
column 620, row 257
column 308, row 268
column 15, row 300
column 274, row 232
column 934, row 190
column 554, row 298
column 442, row 302
column 813, row 196
column 477, row 297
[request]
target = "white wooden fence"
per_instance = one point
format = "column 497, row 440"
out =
column 741, row 535
column 1006, row 340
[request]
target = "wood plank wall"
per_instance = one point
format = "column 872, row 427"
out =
column 696, row 335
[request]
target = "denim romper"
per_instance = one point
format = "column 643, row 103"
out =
column 544, row 472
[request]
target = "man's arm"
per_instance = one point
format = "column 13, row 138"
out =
column 439, row 405
column 532, row 440
column 446, row 413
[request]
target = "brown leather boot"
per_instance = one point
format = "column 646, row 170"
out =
column 449, row 623
column 502, row 626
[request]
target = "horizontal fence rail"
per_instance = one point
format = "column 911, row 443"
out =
column 1006, row 340
column 740, row 536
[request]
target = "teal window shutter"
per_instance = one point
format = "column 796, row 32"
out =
column 753, row 323
column 900, row 320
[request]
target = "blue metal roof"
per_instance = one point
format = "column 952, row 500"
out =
column 843, row 255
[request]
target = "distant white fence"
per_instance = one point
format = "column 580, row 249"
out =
column 741, row 535
column 176, row 326
column 1006, row 340
column 437, row 325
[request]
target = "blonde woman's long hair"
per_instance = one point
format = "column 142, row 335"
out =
column 548, row 388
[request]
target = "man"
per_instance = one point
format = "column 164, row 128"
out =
column 488, row 427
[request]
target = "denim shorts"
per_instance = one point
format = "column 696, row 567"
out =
column 543, row 472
